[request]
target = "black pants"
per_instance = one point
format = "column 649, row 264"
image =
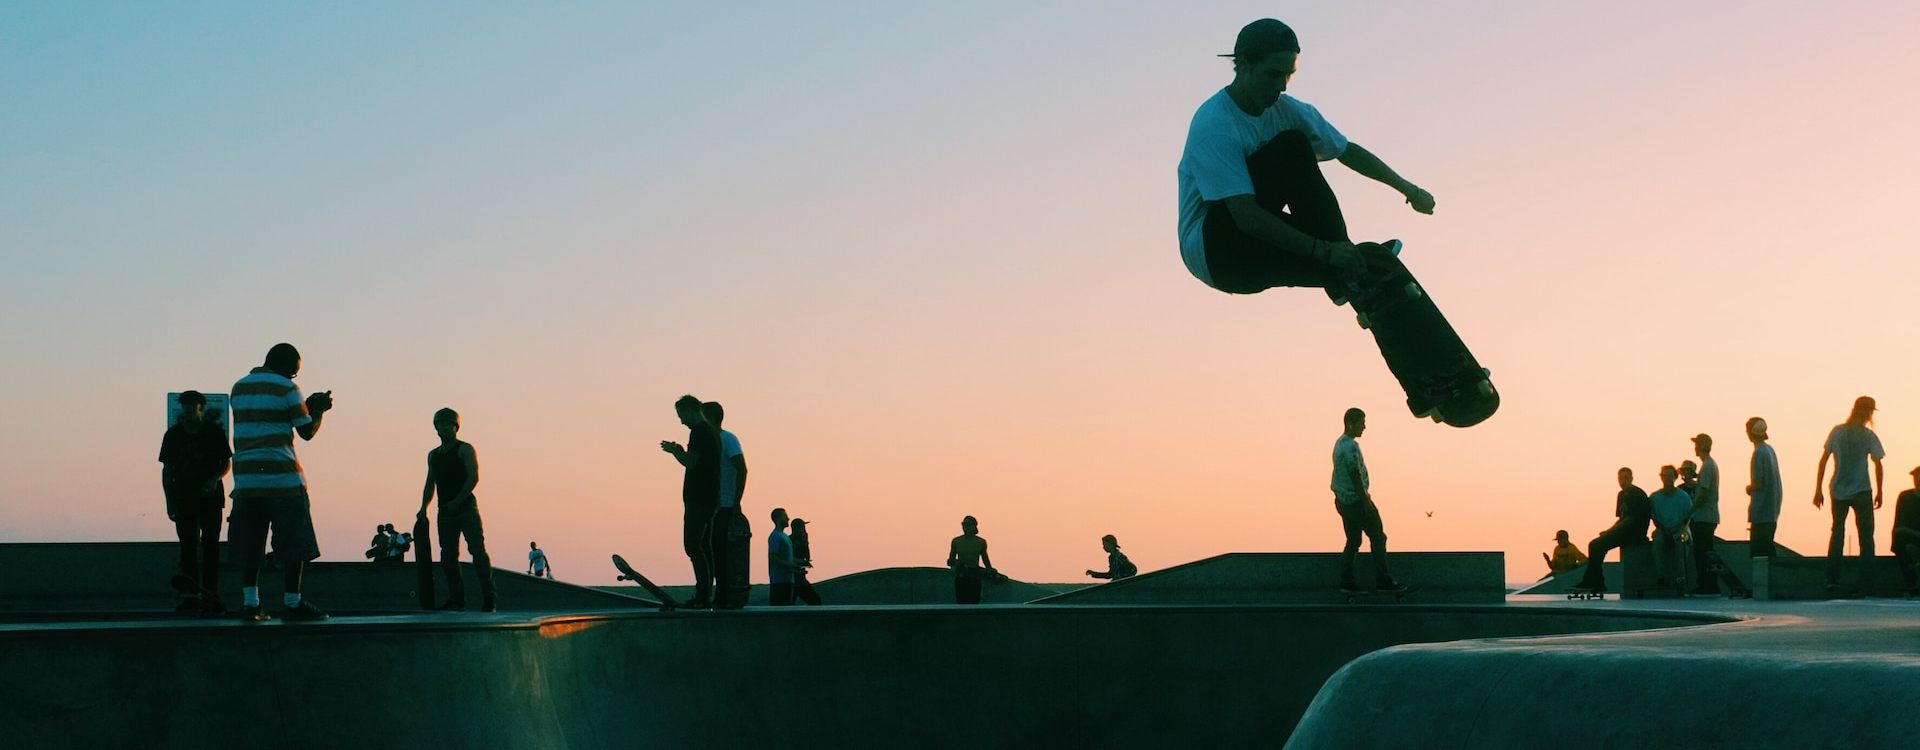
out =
column 729, row 584
column 1906, row 549
column 196, row 522
column 803, row 590
column 1702, row 532
column 1760, row 542
column 1356, row 519
column 696, row 535
column 1862, row 507
column 464, row 521
column 1608, row 541
column 966, row 586
column 783, row 594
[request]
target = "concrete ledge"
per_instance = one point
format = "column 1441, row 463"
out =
column 1301, row 578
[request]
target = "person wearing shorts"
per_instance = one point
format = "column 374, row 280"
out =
column 269, row 488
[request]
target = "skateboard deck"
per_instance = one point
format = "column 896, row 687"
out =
column 1585, row 594
column 1436, row 370
column 423, row 561
column 1399, row 594
column 627, row 573
column 737, row 549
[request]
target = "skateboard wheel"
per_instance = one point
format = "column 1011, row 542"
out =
column 1413, row 291
column 1486, row 387
column 1365, row 322
column 1437, row 418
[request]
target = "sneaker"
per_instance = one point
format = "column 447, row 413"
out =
column 452, row 605
column 304, row 612
column 697, row 604
column 1388, row 584
column 1349, row 585
column 488, row 605
column 186, row 604
column 253, row 613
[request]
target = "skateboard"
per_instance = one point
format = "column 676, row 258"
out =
column 1585, row 594
column 737, row 550
column 1440, row 376
column 191, row 595
column 1399, row 594
column 423, row 561
column 627, row 573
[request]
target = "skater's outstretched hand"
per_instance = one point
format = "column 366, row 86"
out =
column 1420, row 199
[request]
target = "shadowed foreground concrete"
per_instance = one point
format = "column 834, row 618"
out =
column 988, row 676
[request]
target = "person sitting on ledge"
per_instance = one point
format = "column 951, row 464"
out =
column 1672, row 510
column 1635, row 511
column 1118, row 566
column 1566, row 555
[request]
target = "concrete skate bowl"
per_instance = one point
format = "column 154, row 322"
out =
column 930, row 677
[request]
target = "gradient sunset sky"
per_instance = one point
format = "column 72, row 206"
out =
column 926, row 256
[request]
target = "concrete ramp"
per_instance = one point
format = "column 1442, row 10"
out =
column 97, row 577
column 1302, row 578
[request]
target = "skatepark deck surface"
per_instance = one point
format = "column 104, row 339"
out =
column 1818, row 673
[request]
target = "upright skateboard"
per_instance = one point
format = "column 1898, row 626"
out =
column 1439, row 374
column 627, row 574
column 423, row 561
column 738, row 551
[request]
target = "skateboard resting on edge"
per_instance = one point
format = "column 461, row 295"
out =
column 1399, row 594
column 1440, row 376
column 627, row 573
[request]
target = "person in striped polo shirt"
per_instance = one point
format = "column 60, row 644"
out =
column 269, row 490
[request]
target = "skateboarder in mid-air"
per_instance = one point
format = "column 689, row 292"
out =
column 1256, row 213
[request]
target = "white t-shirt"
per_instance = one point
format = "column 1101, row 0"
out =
column 1347, row 462
column 1850, row 446
column 1214, row 164
column 729, row 447
column 1706, row 495
column 537, row 559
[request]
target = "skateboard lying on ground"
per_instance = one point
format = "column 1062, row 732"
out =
column 423, row 561
column 1440, row 376
column 1585, row 593
column 1399, row 594
column 627, row 573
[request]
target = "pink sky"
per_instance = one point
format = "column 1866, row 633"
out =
column 933, row 272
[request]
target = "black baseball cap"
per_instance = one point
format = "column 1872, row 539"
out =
column 1264, row 37
column 192, row 397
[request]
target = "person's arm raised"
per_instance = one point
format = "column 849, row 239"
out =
column 1372, row 167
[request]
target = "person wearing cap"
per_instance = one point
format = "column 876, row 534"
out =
column 1906, row 535
column 1706, row 517
column 1851, row 444
column 803, row 552
column 270, row 499
column 1118, row 566
column 194, row 457
column 1763, row 491
column 1255, row 210
column 1566, row 555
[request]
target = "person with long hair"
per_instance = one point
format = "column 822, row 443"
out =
column 1851, row 444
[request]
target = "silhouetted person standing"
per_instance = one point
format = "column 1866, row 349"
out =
column 968, row 558
column 782, row 566
column 803, row 551
column 699, row 494
column 1764, row 491
column 1706, row 516
column 1118, row 566
column 1850, row 445
column 1635, row 511
column 1906, row 535
column 1566, row 555
column 194, row 456
column 453, row 470
column 1353, row 500
column 729, row 530
column 537, row 564
column 269, row 488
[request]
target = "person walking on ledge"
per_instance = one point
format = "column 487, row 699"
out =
column 453, row 471
column 537, row 565
column 1354, row 501
column 1850, row 445
column 1118, row 566
column 1635, row 511
column 269, row 488
column 194, row 456
column 968, row 558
